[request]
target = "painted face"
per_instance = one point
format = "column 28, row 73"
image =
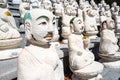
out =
column 42, row 26
column 111, row 24
column 3, row 3
column 78, row 26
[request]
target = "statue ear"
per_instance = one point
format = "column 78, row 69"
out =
column 27, row 24
column 71, row 28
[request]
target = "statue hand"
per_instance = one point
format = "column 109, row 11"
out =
column 4, row 28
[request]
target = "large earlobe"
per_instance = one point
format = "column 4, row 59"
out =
column 71, row 28
column 27, row 25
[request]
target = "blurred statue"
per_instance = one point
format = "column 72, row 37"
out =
column 90, row 27
column 107, row 12
column 3, row 4
column 9, row 36
column 58, row 8
column 109, row 50
column 47, row 5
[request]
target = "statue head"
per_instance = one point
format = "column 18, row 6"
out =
column 114, row 4
column 40, row 26
column 3, row 3
column 76, row 25
column 108, row 24
column 117, row 8
column 47, row 5
column 70, row 10
column 107, row 7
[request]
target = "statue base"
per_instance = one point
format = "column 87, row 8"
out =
column 98, row 77
column 112, row 64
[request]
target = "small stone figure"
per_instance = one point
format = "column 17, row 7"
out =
column 81, row 60
column 47, row 5
column 108, row 49
column 107, row 12
column 90, row 27
column 58, row 8
column 9, row 36
column 24, row 6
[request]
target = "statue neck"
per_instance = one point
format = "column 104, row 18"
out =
column 37, row 43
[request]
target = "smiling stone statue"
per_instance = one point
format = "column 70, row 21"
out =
column 81, row 59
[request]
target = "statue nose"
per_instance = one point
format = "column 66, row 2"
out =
column 50, row 34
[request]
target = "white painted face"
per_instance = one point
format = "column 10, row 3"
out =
column 41, row 26
column 77, row 26
column 3, row 3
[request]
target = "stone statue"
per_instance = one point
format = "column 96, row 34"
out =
column 117, row 23
column 58, row 8
column 35, row 3
column 90, row 27
column 3, row 4
column 47, row 5
column 81, row 60
column 96, row 9
column 66, row 19
column 23, row 8
column 92, row 2
column 40, row 60
column 107, row 12
column 9, row 36
column 70, row 10
column 7, row 17
column 115, row 11
column 108, row 49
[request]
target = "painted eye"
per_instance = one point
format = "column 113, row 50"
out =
column 53, row 23
column 43, row 23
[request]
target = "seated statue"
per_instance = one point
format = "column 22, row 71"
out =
column 9, row 37
column 70, row 10
column 24, row 6
column 117, row 23
column 7, row 17
column 81, row 60
column 39, row 60
column 66, row 19
column 90, row 27
column 109, row 50
column 107, row 12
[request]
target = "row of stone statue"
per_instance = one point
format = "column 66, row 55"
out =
column 39, row 60
column 67, row 10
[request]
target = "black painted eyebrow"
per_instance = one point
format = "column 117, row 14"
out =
column 43, row 17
